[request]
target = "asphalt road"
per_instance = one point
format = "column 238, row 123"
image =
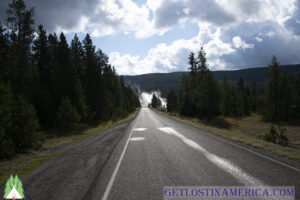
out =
column 136, row 159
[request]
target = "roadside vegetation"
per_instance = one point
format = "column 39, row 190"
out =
column 52, row 147
column 50, row 86
column 203, row 97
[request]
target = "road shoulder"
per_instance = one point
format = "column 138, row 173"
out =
column 282, row 154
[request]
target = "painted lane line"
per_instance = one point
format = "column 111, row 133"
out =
column 224, row 164
column 137, row 138
column 113, row 177
column 140, row 129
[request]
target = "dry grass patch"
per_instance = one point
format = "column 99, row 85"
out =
column 23, row 164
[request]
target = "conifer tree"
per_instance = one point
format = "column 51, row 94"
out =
column 273, row 79
column 43, row 99
column 155, row 102
column 202, row 66
column 226, row 106
column 20, row 23
column 67, row 117
column 172, row 102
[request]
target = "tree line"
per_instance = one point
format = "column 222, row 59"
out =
column 203, row 97
column 48, row 84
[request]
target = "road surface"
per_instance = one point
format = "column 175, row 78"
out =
column 136, row 159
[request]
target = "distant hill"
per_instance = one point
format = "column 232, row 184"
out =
column 166, row 82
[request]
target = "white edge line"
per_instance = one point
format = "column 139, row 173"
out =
column 254, row 152
column 241, row 147
column 113, row 177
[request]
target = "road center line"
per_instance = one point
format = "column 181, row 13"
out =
column 140, row 129
column 224, row 164
column 113, row 177
column 137, row 138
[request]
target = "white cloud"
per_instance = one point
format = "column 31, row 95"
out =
column 258, row 39
column 270, row 33
column 156, row 17
column 130, row 65
column 174, row 57
column 268, row 15
column 126, row 16
column 259, row 10
column 154, row 5
column 107, row 17
column 216, row 47
column 81, row 26
column 239, row 43
column 115, row 16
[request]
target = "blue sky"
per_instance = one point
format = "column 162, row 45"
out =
column 145, row 36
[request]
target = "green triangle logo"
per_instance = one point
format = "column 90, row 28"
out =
column 13, row 188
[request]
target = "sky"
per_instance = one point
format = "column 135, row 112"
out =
column 147, row 36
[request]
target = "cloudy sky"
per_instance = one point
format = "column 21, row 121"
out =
column 144, row 36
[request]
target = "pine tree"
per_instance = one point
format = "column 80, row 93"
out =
column 187, row 107
column 96, row 94
column 202, row 66
column 240, row 98
column 192, row 63
column 155, row 101
column 5, row 69
column 285, row 98
column 79, row 100
column 67, row 117
column 78, row 77
column 247, row 105
column 43, row 98
column 65, row 70
column 295, row 107
column 253, row 96
column 20, row 22
column 234, row 99
column 172, row 102
column 24, row 125
column 77, row 57
column 273, row 78
column 210, row 97
column 6, row 109
column 201, row 90
column 226, row 106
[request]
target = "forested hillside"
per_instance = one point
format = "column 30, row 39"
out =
column 166, row 82
column 48, row 84
column 202, row 96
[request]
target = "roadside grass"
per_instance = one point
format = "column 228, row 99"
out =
column 57, row 142
column 25, row 163
column 22, row 165
column 246, row 130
